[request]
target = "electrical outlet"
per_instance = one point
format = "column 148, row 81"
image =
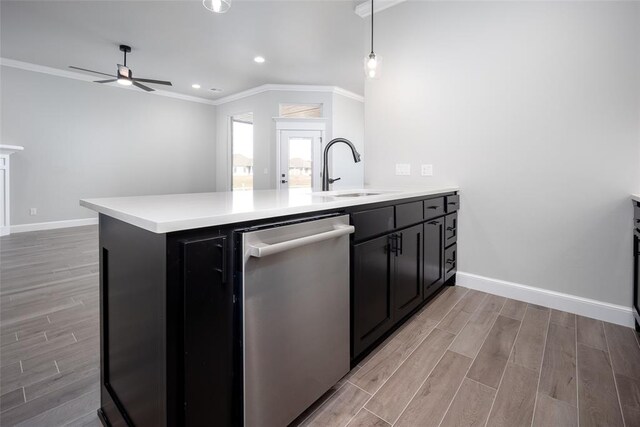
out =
column 33, row 211
column 427, row 170
column 403, row 169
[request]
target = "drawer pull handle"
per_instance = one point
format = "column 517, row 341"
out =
column 453, row 203
column 432, row 207
column 450, row 228
column 451, row 261
column 433, row 223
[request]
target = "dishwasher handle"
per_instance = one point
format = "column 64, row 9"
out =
column 276, row 248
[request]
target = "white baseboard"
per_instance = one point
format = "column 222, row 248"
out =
column 608, row 312
column 22, row 228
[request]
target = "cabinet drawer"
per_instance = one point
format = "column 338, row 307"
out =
column 451, row 229
column 433, row 208
column 408, row 214
column 453, row 203
column 373, row 222
column 450, row 261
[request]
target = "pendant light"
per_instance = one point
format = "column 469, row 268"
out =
column 372, row 61
column 217, row 6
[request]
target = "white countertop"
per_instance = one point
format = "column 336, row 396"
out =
column 635, row 197
column 175, row 212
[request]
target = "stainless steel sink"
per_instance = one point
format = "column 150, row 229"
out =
column 356, row 194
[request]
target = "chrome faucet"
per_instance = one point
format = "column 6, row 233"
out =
column 325, row 168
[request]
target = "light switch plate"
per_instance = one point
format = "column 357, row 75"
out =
column 33, row 211
column 403, row 169
column 427, row 170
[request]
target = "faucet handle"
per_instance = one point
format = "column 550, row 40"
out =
column 331, row 180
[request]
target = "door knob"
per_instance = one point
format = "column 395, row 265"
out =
column 283, row 181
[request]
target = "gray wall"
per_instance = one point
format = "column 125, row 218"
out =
column 87, row 140
column 533, row 109
column 348, row 122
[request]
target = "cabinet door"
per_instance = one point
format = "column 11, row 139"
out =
column 636, row 273
column 407, row 283
column 371, row 303
column 433, row 256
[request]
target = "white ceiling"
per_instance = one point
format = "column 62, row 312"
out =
column 304, row 42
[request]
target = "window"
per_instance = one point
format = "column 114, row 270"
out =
column 242, row 152
column 301, row 110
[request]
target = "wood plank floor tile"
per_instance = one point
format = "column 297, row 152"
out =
column 596, row 389
column 430, row 403
column 47, row 402
column 514, row 309
column 471, row 406
column 558, row 376
column 624, row 352
column 629, row 394
column 563, row 318
column 340, row 408
column 470, row 339
column 88, row 420
column 516, row 397
column 67, row 412
column 365, row 418
column 591, row 333
column 490, row 363
column 553, row 412
column 462, row 311
column 389, row 402
column 377, row 370
column 529, row 346
column 438, row 308
column 11, row 399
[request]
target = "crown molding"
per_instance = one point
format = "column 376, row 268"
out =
column 289, row 88
column 364, row 9
column 6, row 62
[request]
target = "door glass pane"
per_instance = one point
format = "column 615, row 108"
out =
column 242, row 146
column 300, row 163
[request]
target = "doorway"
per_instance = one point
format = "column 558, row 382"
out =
column 299, row 159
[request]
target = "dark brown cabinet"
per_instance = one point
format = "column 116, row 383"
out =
column 407, row 281
column 393, row 275
column 636, row 264
column 433, row 256
column 372, row 309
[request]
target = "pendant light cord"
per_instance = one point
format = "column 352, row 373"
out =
column 371, row 26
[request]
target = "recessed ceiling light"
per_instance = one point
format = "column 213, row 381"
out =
column 259, row 59
column 195, row 86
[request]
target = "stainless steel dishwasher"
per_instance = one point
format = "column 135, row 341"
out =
column 295, row 311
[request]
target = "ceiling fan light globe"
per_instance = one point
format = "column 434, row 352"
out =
column 217, row 6
column 124, row 81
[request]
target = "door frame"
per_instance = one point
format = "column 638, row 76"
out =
column 291, row 124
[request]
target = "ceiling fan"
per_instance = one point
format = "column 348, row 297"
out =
column 124, row 76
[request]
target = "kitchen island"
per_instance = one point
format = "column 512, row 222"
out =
column 171, row 288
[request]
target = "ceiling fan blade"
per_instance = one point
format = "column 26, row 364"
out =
column 106, row 81
column 143, row 87
column 91, row 71
column 157, row 82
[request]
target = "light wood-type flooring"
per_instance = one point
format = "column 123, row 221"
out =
column 467, row 359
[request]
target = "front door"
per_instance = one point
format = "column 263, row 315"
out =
column 299, row 160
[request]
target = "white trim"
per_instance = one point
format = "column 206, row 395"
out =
column 289, row 88
column 301, row 123
column 22, row 228
column 364, row 9
column 6, row 62
column 608, row 312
